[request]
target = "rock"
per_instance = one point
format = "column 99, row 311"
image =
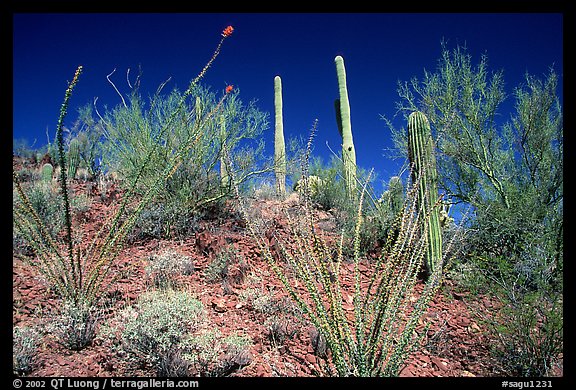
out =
column 310, row 358
column 439, row 363
column 243, row 358
column 219, row 305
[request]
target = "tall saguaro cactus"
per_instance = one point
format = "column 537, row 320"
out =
column 423, row 160
column 225, row 179
column 279, row 146
column 345, row 129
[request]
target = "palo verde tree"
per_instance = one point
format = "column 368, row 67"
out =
column 509, row 167
column 510, row 172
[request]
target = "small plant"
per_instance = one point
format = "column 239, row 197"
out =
column 228, row 267
column 153, row 332
column 163, row 268
column 211, row 355
column 25, row 342
column 75, row 326
column 530, row 335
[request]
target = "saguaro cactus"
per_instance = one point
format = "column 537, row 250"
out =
column 279, row 146
column 423, row 160
column 393, row 197
column 47, row 171
column 345, row 128
column 224, row 175
column 73, row 158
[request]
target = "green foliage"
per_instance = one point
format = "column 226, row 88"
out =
column 211, row 355
column 156, row 328
column 392, row 198
column 169, row 330
column 511, row 173
column 530, row 335
column 88, row 134
column 324, row 184
column 208, row 134
column 345, row 128
column 164, row 268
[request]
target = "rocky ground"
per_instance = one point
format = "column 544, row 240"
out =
column 455, row 345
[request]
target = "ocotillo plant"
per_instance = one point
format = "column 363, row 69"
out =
column 73, row 157
column 423, row 161
column 345, row 129
column 279, row 146
column 79, row 270
column 47, row 171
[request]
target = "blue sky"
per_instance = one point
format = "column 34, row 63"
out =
column 378, row 50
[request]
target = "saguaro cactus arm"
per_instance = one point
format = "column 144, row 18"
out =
column 279, row 145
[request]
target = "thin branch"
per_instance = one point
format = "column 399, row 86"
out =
column 116, row 89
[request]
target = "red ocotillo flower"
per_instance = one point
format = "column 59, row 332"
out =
column 227, row 31
column 229, row 88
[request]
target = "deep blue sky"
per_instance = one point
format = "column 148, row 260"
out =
column 378, row 50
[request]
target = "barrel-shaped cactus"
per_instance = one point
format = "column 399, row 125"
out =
column 423, row 161
column 73, row 158
column 47, row 172
column 345, row 129
column 279, row 146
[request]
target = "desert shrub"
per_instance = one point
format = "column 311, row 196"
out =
column 283, row 319
column 75, row 326
column 529, row 334
column 25, row 342
column 229, row 140
column 228, row 267
column 211, row 354
column 162, row 268
column 169, row 331
column 153, row 331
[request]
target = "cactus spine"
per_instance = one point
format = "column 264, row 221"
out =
column 279, row 146
column 47, row 171
column 345, row 129
column 423, row 160
column 73, row 158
